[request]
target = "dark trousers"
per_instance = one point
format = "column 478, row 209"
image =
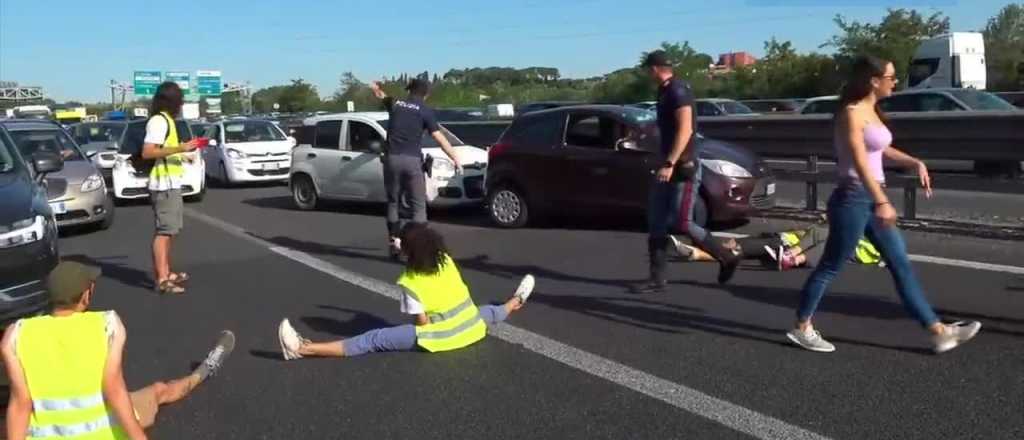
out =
column 404, row 182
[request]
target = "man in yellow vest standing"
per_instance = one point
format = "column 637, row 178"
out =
column 65, row 369
column 162, row 145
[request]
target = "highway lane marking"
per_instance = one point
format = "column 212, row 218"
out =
column 977, row 265
column 680, row 396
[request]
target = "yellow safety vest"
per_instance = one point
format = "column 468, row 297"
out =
column 455, row 321
column 169, row 166
column 63, row 359
column 866, row 253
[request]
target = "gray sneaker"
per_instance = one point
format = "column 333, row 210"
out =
column 810, row 340
column 955, row 334
column 216, row 357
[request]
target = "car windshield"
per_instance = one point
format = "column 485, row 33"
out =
column 736, row 108
column 428, row 141
column 89, row 133
column 30, row 142
column 978, row 100
column 237, row 132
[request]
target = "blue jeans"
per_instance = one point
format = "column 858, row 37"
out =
column 403, row 337
column 670, row 204
column 850, row 216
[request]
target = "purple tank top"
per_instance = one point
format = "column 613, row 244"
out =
column 877, row 138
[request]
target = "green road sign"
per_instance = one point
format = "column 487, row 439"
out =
column 145, row 82
column 208, row 82
column 183, row 79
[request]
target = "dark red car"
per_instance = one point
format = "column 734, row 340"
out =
column 598, row 159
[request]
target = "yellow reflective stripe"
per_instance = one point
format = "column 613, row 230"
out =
column 45, row 431
column 67, row 404
column 435, row 318
column 443, row 334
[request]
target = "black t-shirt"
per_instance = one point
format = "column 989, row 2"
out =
column 672, row 95
column 408, row 118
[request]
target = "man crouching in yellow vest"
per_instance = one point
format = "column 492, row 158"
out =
column 444, row 315
column 65, row 369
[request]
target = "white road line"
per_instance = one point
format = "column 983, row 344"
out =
column 681, row 396
column 977, row 265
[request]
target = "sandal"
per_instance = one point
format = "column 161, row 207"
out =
column 179, row 277
column 168, row 286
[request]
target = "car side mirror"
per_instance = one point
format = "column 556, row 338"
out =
column 376, row 146
column 627, row 144
column 45, row 163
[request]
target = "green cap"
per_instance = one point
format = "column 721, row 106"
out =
column 68, row 280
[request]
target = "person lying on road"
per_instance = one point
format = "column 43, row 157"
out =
column 66, row 374
column 444, row 315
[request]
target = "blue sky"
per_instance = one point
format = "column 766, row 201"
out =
column 74, row 53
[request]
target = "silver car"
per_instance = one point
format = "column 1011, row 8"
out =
column 100, row 142
column 77, row 194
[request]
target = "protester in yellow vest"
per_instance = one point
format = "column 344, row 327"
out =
column 66, row 374
column 165, row 181
column 444, row 315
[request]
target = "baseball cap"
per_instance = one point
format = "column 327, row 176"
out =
column 657, row 58
column 68, row 280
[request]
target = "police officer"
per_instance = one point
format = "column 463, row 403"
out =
column 674, row 190
column 403, row 157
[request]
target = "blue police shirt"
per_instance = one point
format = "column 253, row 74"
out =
column 672, row 95
column 408, row 118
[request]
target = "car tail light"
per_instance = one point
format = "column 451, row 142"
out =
column 496, row 150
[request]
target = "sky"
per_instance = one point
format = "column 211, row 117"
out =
column 74, row 48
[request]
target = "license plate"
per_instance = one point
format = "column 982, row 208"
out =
column 769, row 189
column 270, row 166
column 59, row 208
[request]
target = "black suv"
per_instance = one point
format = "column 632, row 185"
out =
column 28, row 230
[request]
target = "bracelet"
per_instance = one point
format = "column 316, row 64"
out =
column 882, row 204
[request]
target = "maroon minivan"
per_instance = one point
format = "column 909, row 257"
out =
column 598, row 160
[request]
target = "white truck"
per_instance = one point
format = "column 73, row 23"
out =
column 955, row 60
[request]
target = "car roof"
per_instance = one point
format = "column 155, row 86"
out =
column 585, row 107
column 30, row 124
column 822, row 98
column 365, row 116
column 933, row 90
column 716, row 100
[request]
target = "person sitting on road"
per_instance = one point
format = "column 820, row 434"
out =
column 444, row 315
column 65, row 369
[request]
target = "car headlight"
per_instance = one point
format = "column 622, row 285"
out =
column 726, row 168
column 92, row 183
column 235, row 154
column 443, row 167
column 22, row 232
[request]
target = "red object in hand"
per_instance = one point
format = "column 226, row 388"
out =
column 202, row 142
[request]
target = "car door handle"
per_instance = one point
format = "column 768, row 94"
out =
column 346, row 159
column 310, row 155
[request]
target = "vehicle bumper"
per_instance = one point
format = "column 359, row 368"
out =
column 734, row 198
column 82, row 208
column 258, row 170
column 22, row 271
column 465, row 190
column 129, row 186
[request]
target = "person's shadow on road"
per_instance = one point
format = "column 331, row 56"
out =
column 113, row 268
column 357, row 323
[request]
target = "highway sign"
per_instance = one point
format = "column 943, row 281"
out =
column 208, row 82
column 183, row 79
column 145, row 82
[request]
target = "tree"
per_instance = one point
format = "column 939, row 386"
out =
column 894, row 39
column 1004, row 48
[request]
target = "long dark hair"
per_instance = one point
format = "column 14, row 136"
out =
column 424, row 249
column 858, row 84
column 168, row 98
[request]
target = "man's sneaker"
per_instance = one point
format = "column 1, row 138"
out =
column 651, row 287
column 525, row 288
column 290, row 340
column 217, row 356
column 810, row 340
column 954, row 334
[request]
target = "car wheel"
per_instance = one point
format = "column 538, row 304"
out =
column 108, row 221
column 507, row 207
column 304, row 193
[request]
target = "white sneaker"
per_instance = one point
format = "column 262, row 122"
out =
column 954, row 334
column 290, row 340
column 810, row 340
column 525, row 288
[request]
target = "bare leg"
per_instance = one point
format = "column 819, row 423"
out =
column 147, row 401
column 161, row 248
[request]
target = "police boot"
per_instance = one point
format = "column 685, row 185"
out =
column 657, row 252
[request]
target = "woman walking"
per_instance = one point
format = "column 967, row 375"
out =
column 859, row 206
column 443, row 314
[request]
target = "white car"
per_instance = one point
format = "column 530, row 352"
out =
column 247, row 150
column 130, row 184
column 341, row 160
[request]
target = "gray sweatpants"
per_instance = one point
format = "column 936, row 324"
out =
column 403, row 177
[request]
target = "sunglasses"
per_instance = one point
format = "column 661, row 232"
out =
column 890, row 78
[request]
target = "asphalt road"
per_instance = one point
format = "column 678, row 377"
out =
column 594, row 354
